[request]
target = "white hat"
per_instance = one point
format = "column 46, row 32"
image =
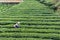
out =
column 18, row 22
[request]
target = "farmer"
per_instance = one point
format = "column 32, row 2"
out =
column 17, row 25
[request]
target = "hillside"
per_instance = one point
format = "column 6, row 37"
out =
column 38, row 21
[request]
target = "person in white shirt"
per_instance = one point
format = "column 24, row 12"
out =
column 17, row 25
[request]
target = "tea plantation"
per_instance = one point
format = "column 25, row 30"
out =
column 38, row 21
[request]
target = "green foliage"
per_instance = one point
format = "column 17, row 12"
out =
column 38, row 22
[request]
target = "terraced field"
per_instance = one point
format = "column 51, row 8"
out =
column 38, row 22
